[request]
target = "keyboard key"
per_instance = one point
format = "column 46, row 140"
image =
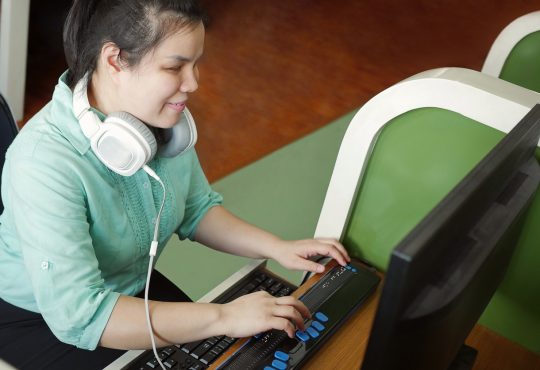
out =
column 317, row 325
column 275, row 288
column 201, row 350
column 217, row 350
column 153, row 364
column 213, row 340
column 284, row 291
column 223, row 345
column 260, row 278
column 170, row 363
column 280, row 365
column 280, row 355
column 209, row 357
column 321, row 317
column 169, row 350
column 302, row 336
column 189, row 347
column 196, row 367
column 268, row 282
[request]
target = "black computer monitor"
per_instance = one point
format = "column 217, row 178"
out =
column 442, row 275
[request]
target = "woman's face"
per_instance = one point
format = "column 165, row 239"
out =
column 156, row 90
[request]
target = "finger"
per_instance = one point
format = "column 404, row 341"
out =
column 330, row 250
column 311, row 266
column 337, row 245
column 296, row 303
column 291, row 314
column 342, row 250
column 283, row 324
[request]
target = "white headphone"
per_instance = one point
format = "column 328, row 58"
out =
column 122, row 142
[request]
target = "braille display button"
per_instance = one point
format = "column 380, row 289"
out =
column 280, row 355
column 317, row 325
column 321, row 317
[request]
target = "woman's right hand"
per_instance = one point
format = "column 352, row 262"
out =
column 259, row 312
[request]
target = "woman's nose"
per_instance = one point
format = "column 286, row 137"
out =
column 190, row 82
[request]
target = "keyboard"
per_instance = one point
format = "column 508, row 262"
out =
column 336, row 295
column 201, row 354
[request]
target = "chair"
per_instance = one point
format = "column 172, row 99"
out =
column 515, row 54
column 405, row 150
column 8, row 130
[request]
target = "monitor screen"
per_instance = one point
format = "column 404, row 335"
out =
column 442, row 275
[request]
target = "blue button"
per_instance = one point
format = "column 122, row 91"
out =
column 280, row 355
column 302, row 336
column 312, row 332
column 317, row 325
column 280, row 365
column 321, row 317
column 348, row 267
column 354, row 270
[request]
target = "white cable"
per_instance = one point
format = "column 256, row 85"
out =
column 148, row 322
column 153, row 251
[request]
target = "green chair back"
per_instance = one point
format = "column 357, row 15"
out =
column 522, row 66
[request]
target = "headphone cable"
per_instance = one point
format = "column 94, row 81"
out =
column 153, row 251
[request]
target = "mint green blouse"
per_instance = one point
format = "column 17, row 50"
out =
column 75, row 235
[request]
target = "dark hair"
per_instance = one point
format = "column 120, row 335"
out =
column 135, row 26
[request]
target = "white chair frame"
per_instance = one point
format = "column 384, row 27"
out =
column 507, row 39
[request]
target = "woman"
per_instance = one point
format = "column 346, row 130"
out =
column 74, row 236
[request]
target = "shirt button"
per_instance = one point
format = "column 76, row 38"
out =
column 146, row 185
column 45, row 265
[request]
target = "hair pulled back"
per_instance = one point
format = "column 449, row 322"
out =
column 135, row 26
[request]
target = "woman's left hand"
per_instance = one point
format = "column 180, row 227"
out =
column 295, row 255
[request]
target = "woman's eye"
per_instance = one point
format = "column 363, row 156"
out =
column 174, row 68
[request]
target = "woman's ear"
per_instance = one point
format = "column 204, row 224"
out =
column 110, row 60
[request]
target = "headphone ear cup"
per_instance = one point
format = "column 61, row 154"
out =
column 138, row 127
column 181, row 137
column 125, row 144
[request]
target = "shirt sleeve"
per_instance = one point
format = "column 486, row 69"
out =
column 51, row 221
column 199, row 200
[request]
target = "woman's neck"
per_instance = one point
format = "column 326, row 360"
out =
column 101, row 94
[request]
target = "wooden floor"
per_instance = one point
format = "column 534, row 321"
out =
column 275, row 71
